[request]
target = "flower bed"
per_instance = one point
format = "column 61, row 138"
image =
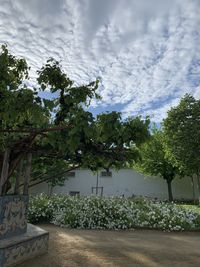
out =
column 111, row 213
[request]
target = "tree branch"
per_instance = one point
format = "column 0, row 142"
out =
column 51, row 177
column 36, row 130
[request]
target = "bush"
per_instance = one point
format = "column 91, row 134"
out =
column 94, row 212
column 40, row 209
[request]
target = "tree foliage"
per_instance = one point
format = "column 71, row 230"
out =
column 154, row 160
column 182, row 130
column 60, row 133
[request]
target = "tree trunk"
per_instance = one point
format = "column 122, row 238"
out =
column 198, row 184
column 169, row 186
column 193, row 189
column 27, row 174
column 97, row 183
column 50, row 191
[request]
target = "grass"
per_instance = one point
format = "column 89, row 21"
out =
column 190, row 207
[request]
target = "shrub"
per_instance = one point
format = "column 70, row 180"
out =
column 94, row 212
column 40, row 209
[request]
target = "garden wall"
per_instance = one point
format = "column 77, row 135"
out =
column 125, row 182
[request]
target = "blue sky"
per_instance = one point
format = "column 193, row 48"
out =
column 147, row 53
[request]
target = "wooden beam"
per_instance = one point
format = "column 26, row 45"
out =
column 19, row 175
column 37, row 130
column 27, row 173
column 4, row 171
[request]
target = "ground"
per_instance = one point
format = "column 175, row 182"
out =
column 95, row 248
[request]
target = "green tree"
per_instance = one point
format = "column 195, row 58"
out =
column 20, row 109
column 154, row 160
column 104, row 143
column 28, row 122
column 113, row 140
column 59, row 133
column 182, row 130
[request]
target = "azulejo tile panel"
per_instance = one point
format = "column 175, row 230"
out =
column 25, row 251
column 15, row 250
column 13, row 215
column 17, row 241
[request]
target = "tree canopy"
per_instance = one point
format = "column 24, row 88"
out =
column 154, row 160
column 59, row 133
column 182, row 131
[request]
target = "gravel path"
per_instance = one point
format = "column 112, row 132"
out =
column 93, row 248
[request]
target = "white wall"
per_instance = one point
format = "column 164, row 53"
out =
column 124, row 182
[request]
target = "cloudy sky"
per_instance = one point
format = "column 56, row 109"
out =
column 147, row 52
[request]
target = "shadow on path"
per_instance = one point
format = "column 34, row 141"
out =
column 95, row 248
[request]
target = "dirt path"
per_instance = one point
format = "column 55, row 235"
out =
column 91, row 248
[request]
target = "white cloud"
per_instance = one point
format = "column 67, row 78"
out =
column 147, row 52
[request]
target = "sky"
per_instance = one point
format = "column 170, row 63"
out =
column 145, row 52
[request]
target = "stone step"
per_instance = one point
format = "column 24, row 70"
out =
column 23, row 247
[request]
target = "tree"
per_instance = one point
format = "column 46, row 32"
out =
column 182, row 130
column 112, row 139
column 154, row 160
column 108, row 145
column 26, row 123
column 19, row 107
column 59, row 133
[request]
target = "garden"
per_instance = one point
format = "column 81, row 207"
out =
column 42, row 140
column 93, row 212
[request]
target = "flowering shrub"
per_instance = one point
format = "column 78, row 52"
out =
column 40, row 209
column 94, row 212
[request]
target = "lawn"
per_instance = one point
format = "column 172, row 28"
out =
column 195, row 208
